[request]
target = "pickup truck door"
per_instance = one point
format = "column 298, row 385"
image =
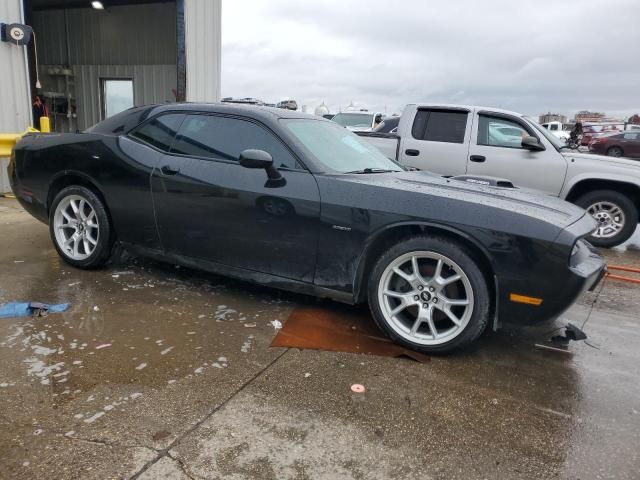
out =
column 438, row 140
column 496, row 150
column 210, row 207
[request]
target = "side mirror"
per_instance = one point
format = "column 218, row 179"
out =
column 532, row 143
column 255, row 159
column 260, row 159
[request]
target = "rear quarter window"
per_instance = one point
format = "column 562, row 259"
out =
column 447, row 126
column 160, row 131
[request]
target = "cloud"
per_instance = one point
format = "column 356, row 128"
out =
column 530, row 56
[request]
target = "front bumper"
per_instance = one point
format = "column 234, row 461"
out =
column 557, row 285
column 587, row 264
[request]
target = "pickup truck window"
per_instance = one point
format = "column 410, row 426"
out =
column 500, row 132
column 440, row 125
column 160, row 131
column 224, row 138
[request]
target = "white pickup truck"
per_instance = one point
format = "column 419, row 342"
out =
column 479, row 141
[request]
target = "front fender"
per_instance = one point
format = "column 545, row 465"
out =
column 619, row 177
column 365, row 261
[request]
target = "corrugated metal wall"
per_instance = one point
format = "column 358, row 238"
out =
column 126, row 35
column 134, row 41
column 15, row 107
column 151, row 84
column 203, row 19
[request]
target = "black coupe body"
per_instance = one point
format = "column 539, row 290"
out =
column 296, row 202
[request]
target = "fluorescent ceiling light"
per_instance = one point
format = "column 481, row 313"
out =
column 97, row 5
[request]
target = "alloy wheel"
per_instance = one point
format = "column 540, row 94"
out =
column 76, row 227
column 426, row 297
column 610, row 218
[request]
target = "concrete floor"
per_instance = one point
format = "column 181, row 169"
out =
column 189, row 388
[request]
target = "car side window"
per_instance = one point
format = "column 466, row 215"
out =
column 630, row 136
column 500, row 132
column 160, row 131
column 440, row 125
column 224, row 138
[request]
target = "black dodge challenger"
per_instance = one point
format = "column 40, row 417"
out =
column 298, row 202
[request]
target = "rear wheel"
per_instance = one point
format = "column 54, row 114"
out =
column 428, row 294
column 616, row 214
column 80, row 228
column 615, row 152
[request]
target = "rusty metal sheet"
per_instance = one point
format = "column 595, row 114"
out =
column 338, row 328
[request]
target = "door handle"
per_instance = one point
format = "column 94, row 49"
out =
column 412, row 153
column 477, row 158
column 167, row 170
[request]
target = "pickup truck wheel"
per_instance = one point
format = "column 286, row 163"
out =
column 616, row 214
column 615, row 152
column 80, row 228
column 428, row 294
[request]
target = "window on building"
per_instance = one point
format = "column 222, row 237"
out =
column 117, row 96
column 440, row 126
column 160, row 131
column 224, row 138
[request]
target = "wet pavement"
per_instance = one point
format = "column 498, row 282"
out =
column 164, row 372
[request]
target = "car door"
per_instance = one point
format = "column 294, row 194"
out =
column 210, row 207
column 438, row 141
column 496, row 150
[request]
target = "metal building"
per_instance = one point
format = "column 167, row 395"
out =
column 89, row 60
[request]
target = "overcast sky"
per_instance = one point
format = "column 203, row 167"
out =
column 531, row 56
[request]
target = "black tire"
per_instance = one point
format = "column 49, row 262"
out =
column 624, row 203
column 106, row 239
column 464, row 259
column 615, row 152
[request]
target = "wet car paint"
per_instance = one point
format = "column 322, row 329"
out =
column 212, row 215
column 502, row 409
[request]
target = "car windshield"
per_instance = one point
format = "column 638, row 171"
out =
column 338, row 149
column 360, row 120
column 555, row 141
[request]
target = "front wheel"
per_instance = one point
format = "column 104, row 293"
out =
column 615, row 213
column 80, row 228
column 429, row 294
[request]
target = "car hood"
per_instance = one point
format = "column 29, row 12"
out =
column 523, row 203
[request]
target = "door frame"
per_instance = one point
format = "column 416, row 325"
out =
column 102, row 98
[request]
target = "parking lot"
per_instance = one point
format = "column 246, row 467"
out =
column 164, row 372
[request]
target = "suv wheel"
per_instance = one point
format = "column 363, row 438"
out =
column 80, row 228
column 428, row 294
column 615, row 152
column 616, row 214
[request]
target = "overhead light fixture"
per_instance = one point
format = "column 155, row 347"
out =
column 97, row 5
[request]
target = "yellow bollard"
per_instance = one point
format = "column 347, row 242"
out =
column 45, row 126
column 9, row 140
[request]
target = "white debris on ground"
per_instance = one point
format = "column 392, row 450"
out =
column 246, row 346
column 277, row 324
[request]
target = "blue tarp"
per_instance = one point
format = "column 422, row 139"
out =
column 26, row 309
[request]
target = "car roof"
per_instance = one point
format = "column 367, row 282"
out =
column 127, row 120
column 466, row 107
column 255, row 111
